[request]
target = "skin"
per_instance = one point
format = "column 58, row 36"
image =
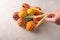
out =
column 54, row 17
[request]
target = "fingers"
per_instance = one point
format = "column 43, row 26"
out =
column 51, row 17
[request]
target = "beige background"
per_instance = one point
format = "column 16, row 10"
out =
column 9, row 29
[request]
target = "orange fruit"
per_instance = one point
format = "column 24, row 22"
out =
column 30, row 25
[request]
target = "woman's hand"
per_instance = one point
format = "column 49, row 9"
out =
column 54, row 17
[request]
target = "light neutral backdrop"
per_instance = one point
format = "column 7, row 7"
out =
column 9, row 29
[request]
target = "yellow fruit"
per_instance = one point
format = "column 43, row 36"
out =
column 22, row 14
column 30, row 11
column 30, row 25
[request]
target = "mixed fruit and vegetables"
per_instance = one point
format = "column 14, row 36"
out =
column 28, row 17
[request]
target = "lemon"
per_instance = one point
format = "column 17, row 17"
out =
column 22, row 14
column 30, row 11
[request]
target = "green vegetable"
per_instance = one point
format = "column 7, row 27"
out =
column 28, row 19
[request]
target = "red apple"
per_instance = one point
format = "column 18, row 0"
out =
column 36, row 12
column 24, row 9
column 15, row 15
column 20, row 21
column 25, row 5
